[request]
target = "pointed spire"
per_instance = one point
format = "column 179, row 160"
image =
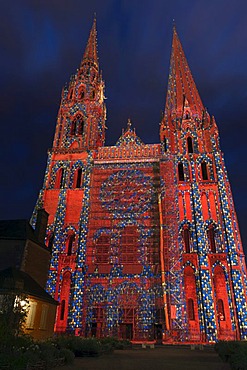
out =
column 181, row 84
column 91, row 53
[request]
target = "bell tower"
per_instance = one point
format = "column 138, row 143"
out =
column 209, row 249
column 81, row 117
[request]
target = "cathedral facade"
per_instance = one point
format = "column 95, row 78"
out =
column 145, row 240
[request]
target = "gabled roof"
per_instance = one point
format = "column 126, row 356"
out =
column 16, row 281
column 129, row 137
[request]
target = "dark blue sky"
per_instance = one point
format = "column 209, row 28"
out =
column 42, row 43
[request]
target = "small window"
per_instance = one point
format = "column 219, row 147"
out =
column 71, row 94
column 82, row 94
column 204, row 171
column 187, row 115
column 77, row 125
column 165, row 144
column 80, row 125
column 73, row 128
column 59, row 178
column 189, row 145
column 191, row 311
column 186, row 237
column 62, row 309
column 70, row 243
column 43, row 317
column 31, row 315
column 180, row 172
column 211, row 238
column 220, row 310
column 78, row 178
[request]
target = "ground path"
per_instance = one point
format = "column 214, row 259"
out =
column 160, row 358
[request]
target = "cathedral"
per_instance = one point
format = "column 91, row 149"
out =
column 144, row 237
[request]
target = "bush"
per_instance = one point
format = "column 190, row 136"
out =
column 115, row 343
column 234, row 352
column 81, row 347
column 67, row 355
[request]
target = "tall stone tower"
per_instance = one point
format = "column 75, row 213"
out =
column 145, row 238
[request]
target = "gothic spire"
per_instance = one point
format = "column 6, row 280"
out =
column 91, row 53
column 181, row 84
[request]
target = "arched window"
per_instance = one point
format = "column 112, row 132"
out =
column 93, row 94
column 187, row 115
column 180, row 172
column 129, row 245
column 191, row 298
column 211, row 238
column 204, row 171
column 165, row 143
column 64, row 298
column 62, row 309
column 77, row 125
column 73, row 128
column 186, row 237
column 220, row 310
column 82, row 94
column 80, row 126
column 70, row 243
column 191, row 311
column 103, row 249
column 189, row 145
column 78, row 178
column 71, row 94
column 59, row 178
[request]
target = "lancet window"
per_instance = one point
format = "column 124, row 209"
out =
column 186, row 237
column 180, row 172
column 190, row 145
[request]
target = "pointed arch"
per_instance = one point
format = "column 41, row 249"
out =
column 220, row 284
column 191, row 294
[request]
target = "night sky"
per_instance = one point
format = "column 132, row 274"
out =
column 42, row 43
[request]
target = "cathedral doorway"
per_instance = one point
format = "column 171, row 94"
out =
column 158, row 333
column 126, row 331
